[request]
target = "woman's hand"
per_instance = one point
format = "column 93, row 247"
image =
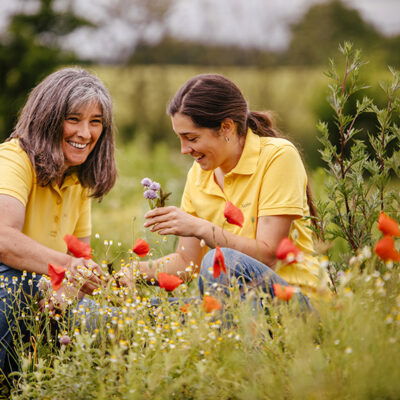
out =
column 85, row 275
column 173, row 221
column 126, row 277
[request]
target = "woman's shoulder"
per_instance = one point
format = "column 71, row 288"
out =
column 12, row 148
column 275, row 142
column 271, row 146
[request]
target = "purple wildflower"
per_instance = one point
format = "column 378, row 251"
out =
column 155, row 186
column 150, row 194
column 65, row 340
column 146, row 182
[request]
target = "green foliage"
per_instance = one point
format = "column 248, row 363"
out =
column 330, row 23
column 29, row 51
column 350, row 349
column 357, row 181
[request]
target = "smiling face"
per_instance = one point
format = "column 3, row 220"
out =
column 208, row 147
column 81, row 131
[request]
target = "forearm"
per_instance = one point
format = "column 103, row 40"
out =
column 23, row 253
column 214, row 235
column 171, row 264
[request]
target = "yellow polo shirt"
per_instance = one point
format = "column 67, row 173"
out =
column 269, row 179
column 51, row 211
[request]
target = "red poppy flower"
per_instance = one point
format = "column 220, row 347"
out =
column 210, row 304
column 56, row 274
column 219, row 262
column 387, row 225
column 141, row 248
column 168, row 282
column 283, row 292
column 233, row 214
column 185, row 308
column 386, row 250
column 78, row 248
column 285, row 249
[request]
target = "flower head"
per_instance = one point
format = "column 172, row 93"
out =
column 210, row 304
column 386, row 249
column 219, row 262
column 65, row 340
column 287, row 251
column 168, row 282
column 150, row 194
column 155, row 186
column 146, row 182
column 233, row 214
column 77, row 247
column 56, row 274
column 387, row 225
column 185, row 308
column 283, row 292
column 141, row 248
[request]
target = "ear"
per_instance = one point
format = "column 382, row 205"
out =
column 227, row 126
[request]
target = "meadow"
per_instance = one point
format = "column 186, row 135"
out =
column 130, row 347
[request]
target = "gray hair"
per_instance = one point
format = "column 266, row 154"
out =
column 40, row 128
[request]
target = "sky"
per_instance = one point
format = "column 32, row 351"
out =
column 256, row 23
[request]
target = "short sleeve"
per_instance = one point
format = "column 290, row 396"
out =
column 16, row 173
column 186, row 203
column 283, row 190
column 84, row 225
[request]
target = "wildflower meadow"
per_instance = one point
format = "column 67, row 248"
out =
column 165, row 341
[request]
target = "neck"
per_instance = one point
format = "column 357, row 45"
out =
column 234, row 156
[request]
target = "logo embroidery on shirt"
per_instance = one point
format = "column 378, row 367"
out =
column 244, row 205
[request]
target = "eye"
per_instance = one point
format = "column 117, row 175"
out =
column 193, row 140
column 96, row 121
column 71, row 118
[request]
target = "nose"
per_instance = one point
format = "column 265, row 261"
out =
column 185, row 148
column 84, row 130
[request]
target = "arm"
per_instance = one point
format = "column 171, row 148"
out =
column 188, row 251
column 23, row 253
column 270, row 231
column 18, row 250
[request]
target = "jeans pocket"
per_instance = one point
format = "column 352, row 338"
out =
column 4, row 267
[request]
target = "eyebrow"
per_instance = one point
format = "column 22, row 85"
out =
column 77, row 113
column 186, row 133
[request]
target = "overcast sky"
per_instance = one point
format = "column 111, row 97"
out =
column 263, row 23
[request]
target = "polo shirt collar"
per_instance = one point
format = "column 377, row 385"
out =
column 247, row 164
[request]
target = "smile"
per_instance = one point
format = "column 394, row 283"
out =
column 78, row 145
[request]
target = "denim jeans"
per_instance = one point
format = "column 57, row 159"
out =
column 16, row 289
column 249, row 273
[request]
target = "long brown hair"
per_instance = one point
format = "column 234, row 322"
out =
column 210, row 98
column 40, row 129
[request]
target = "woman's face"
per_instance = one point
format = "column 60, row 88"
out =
column 206, row 146
column 81, row 131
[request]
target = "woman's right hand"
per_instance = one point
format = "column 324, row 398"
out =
column 85, row 274
column 125, row 277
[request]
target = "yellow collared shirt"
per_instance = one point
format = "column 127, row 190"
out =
column 51, row 211
column 269, row 179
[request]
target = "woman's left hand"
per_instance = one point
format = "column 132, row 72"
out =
column 172, row 221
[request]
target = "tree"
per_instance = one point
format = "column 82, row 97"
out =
column 317, row 35
column 29, row 50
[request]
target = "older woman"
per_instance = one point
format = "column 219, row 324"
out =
column 59, row 156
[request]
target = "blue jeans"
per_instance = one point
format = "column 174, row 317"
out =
column 248, row 272
column 16, row 290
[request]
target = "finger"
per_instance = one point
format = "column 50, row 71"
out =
column 159, row 211
column 88, row 288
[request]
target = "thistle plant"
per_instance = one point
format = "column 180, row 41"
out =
column 154, row 193
column 357, row 180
